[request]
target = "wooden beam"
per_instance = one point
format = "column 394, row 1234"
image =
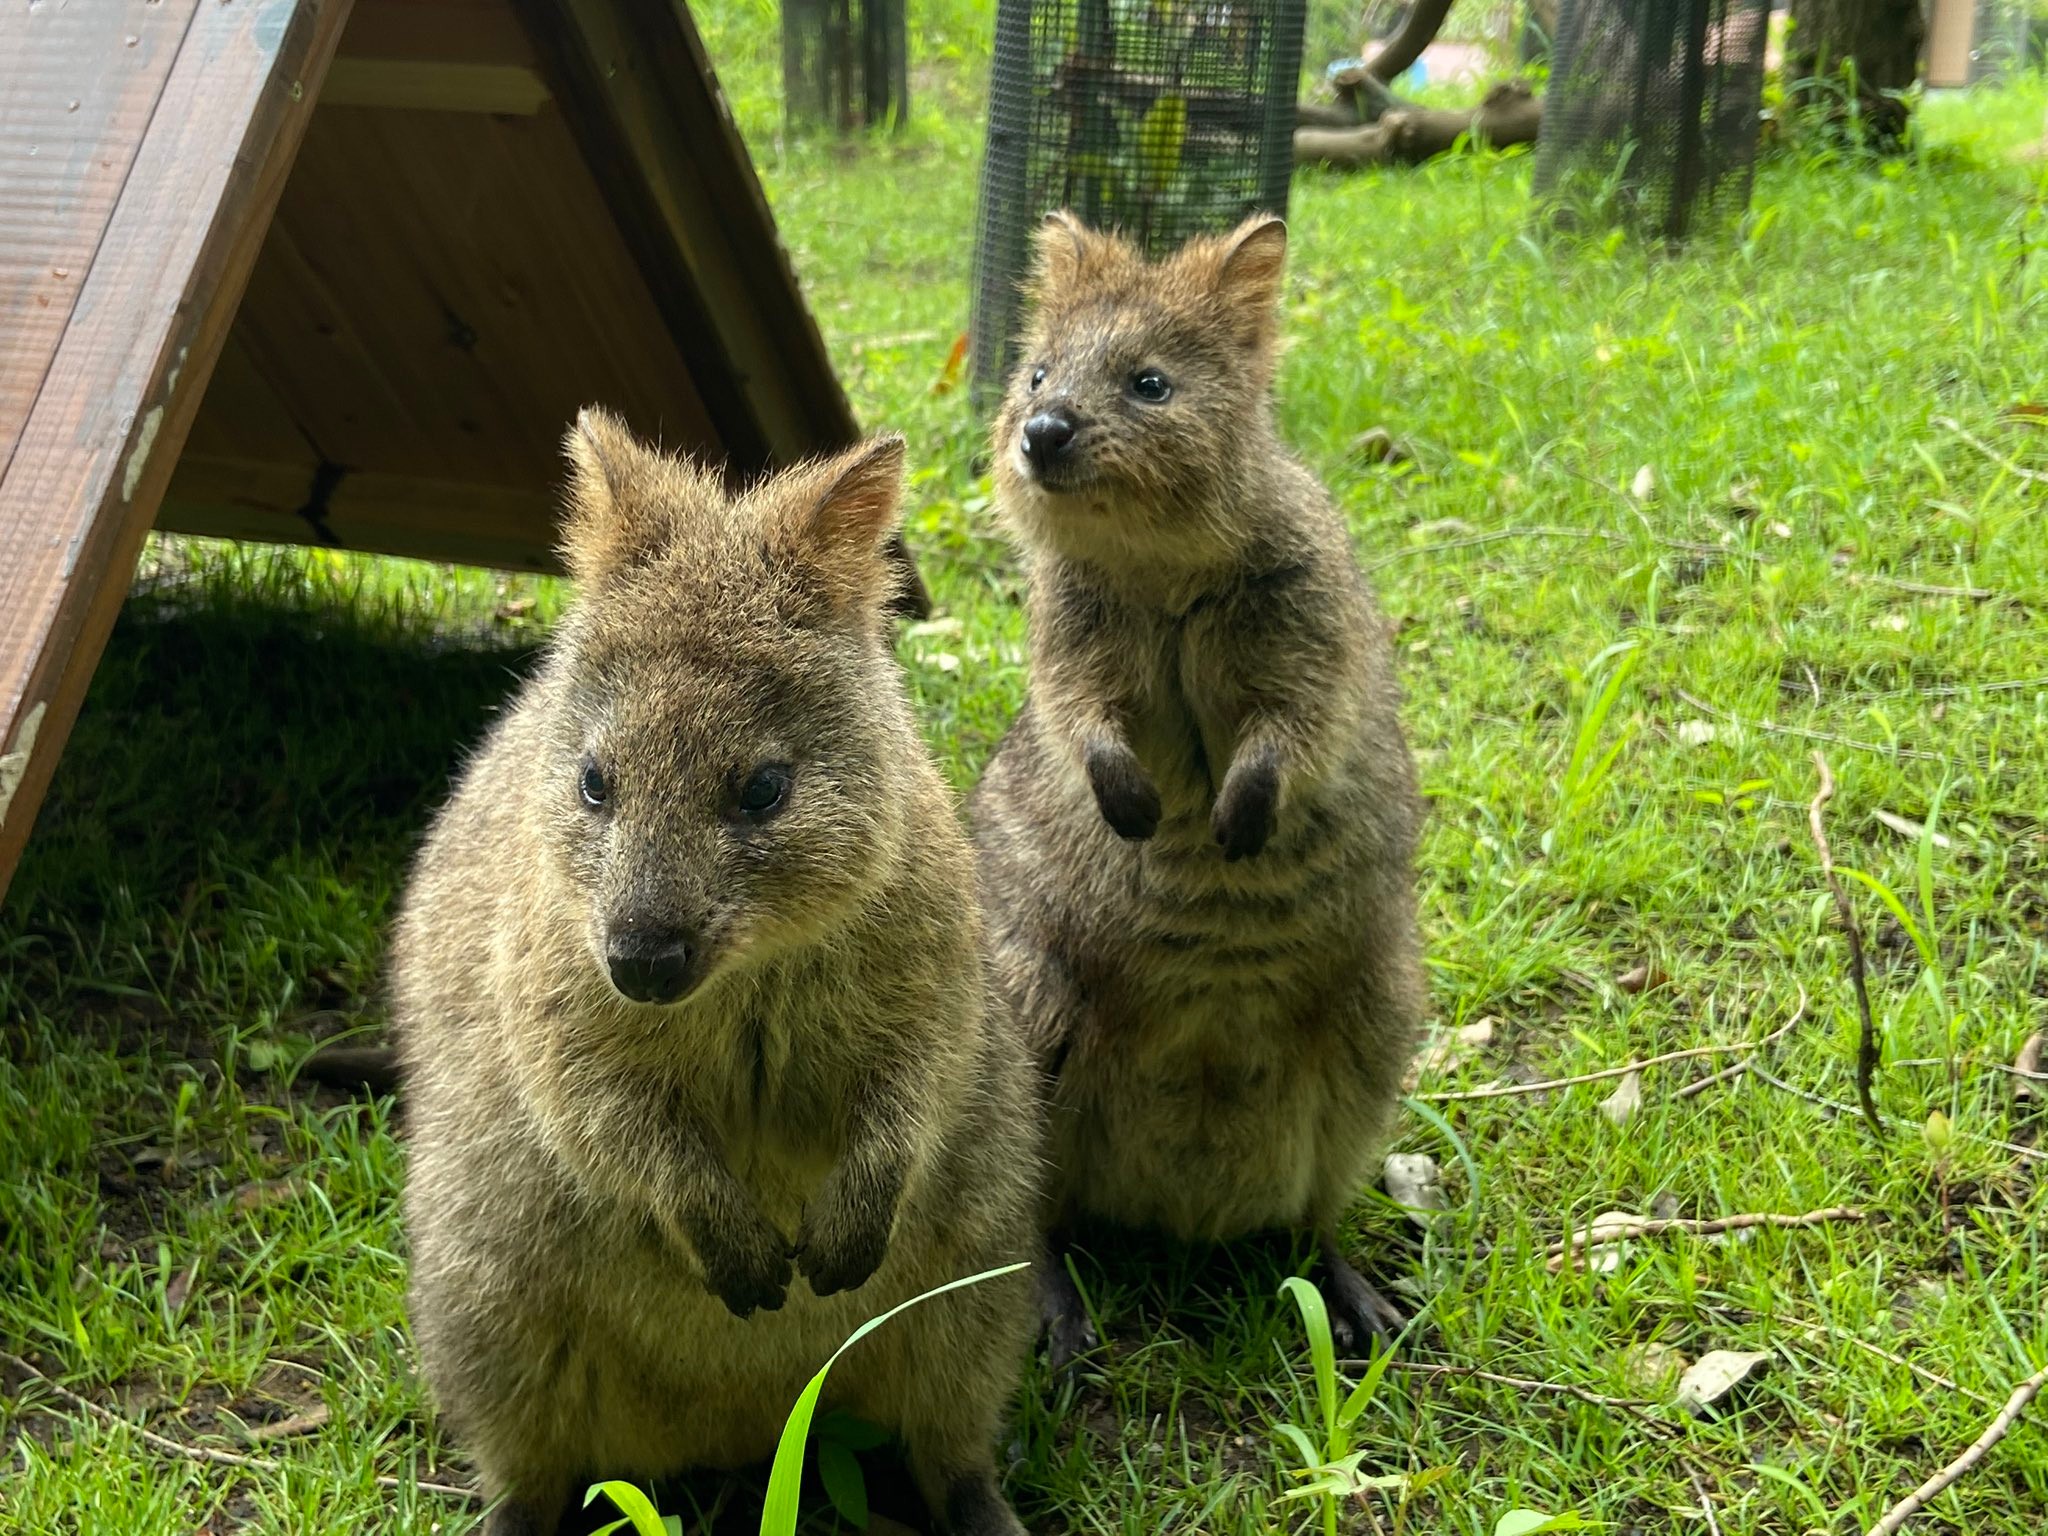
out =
column 637, row 89
column 106, row 422
column 512, row 527
column 431, row 86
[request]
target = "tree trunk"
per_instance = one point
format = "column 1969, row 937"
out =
column 1878, row 40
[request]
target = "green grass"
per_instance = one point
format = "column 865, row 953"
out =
column 186, row 1233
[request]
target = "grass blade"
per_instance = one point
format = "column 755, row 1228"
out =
column 785, row 1477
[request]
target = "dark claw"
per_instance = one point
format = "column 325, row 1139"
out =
column 1068, row 1332
column 1358, row 1312
column 1244, row 813
column 1126, row 794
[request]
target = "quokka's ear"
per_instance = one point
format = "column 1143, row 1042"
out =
column 839, row 521
column 1250, row 262
column 1067, row 250
column 610, row 522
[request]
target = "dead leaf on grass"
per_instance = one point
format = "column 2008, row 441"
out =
column 1714, row 1376
column 177, row 1292
column 1647, row 977
column 1448, row 1051
column 255, row 1196
column 1649, row 1369
column 2029, row 1060
column 1414, row 1181
column 1621, row 1105
column 1908, row 828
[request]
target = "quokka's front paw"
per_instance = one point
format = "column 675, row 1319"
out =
column 839, row 1251
column 1125, row 792
column 1245, row 811
column 749, row 1271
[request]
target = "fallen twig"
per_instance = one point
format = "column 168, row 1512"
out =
column 1804, row 733
column 208, row 1454
column 2023, row 1394
column 1726, row 1074
column 1866, row 1041
column 2030, row 1154
column 1605, row 1234
column 1511, row 1090
column 1990, row 452
column 1706, row 1504
column 1928, row 589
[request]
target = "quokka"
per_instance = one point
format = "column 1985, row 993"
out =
column 702, row 1063
column 1196, row 841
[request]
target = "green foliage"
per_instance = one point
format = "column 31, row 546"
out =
column 211, row 877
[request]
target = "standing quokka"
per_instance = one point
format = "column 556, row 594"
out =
column 691, row 986
column 1196, row 841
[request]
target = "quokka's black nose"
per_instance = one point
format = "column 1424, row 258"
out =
column 1048, row 435
column 649, row 967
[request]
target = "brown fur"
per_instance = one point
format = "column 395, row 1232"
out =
column 1196, row 840
column 831, row 1121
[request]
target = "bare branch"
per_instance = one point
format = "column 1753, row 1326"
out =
column 1604, row 1234
column 1866, row 1041
column 1896, row 1517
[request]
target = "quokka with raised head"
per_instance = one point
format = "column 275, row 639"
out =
column 702, row 1065
column 1196, row 841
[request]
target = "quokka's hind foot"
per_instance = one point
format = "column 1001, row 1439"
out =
column 974, row 1506
column 1359, row 1314
column 1062, row 1318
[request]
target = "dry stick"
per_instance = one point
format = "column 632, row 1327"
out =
column 1929, row 589
column 1866, row 1041
column 206, row 1453
column 2030, row 1154
column 1772, row 728
column 2023, row 1394
column 1706, row 1504
column 1510, row 1090
column 1727, row 1074
column 1990, row 452
column 1606, row 1234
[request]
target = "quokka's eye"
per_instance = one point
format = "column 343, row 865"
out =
column 765, row 792
column 1037, row 378
column 595, row 790
column 1151, row 386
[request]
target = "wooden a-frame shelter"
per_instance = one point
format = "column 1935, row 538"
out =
column 315, row 271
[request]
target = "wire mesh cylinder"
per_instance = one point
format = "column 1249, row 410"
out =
column 845, row 63
column 1653, row 109
column 1159, row 120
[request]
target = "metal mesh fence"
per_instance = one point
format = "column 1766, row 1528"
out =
column 1653, row 109
column 845, row 63
column 1159, row 120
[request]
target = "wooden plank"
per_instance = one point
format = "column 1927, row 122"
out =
column 510, row 526
column 423, row 84
column 638, row 90
column 436, row 298
column 77, row 88
column 437, row 31
column 96, row 451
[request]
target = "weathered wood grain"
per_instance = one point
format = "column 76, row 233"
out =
column 94, row 453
